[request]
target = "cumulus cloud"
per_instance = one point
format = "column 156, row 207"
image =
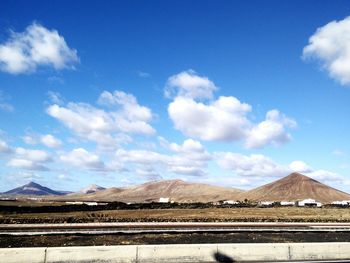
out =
column 50, row 141
column 33, row 155
column 256, row 165
column 4, row 147
column 108, row 128
column 21, row 177
column 30, row 159
column 300, row 167
column 29, row 139
column 148, row 172
column 270, row 131
column 223, row 119
column 36, row 46
column 326, row 176
column 330, row 45
column 129, row 107
column 261, row 167
column 190, row 158
column 83, row 159
column 190, row 85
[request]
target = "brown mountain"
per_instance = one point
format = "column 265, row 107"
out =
column 176, row 190
column 295, row 187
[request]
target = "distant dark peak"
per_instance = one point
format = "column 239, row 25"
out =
column 33, row 188
column 32, row 184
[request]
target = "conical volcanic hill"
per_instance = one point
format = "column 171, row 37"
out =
column 295, row 187
column 33, row 189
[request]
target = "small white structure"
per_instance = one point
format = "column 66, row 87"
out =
column 309, row 202
column 74, row 203
column 287, row 203
column 229, row 202
column 164, row 200
column 266, row 203
column 91, row 203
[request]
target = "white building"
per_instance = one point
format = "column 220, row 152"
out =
column 230, row 202
column 266, row 203
column 164, row 200
column 91, row 203
column 74, row 203
column 287, row 203
column 309, row 202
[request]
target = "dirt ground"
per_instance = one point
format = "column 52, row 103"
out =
column 275, row 214
column 170, row 238
column 280, row 214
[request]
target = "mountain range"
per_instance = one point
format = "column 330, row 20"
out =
column 290, row 188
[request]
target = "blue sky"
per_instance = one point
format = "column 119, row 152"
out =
column 234, row 93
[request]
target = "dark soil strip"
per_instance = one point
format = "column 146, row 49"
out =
column 172, row 238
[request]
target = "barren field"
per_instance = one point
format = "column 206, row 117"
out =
column 169, row 238
column 276, row 214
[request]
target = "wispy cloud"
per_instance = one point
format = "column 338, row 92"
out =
column 4, row 105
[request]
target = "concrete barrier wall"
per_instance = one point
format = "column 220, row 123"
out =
column 177, row 253
column 256, row 252
column 180, row 253
column 115, row 254
column 31, row 255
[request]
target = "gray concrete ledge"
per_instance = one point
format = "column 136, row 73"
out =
column 182, row 253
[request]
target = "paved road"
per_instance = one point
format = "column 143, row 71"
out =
column 183, row 227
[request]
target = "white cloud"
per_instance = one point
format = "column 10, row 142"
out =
column 326, row 176
column 261, row 167
column 28, row 139
column 224, row 119
column 83, row 159
column 330, row 44
column 24, row 177
column 256, row 165
column 149, row 172
column 190, row 158
column 26, row 164
column 30, row 159
column 129, row 107
column 188, row 145
column 50, row 141
column 55, row 97
column 188, row 84
column 4, row 147
column 33, row 155
column 36, row 46
column 107, row 128
column 270, row 131
column 300, row 167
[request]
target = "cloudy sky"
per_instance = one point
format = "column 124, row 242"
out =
column 232, row 93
